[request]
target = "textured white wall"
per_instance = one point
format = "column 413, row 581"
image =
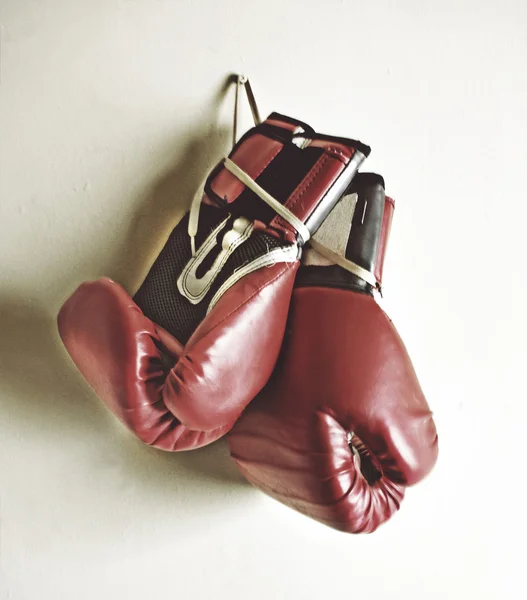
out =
column 110, row 112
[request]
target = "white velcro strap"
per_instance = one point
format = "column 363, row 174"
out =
column 346, row 264
column 288, row 254
column 279, row 209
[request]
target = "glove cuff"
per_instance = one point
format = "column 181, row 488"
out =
column 354, row 237
column 306, row 172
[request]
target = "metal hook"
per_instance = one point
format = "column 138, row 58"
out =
column 243, row 81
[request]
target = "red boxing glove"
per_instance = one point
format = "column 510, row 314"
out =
column 180, row 361
column 342, row 426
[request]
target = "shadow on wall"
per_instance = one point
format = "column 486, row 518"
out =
column 163, row 208
column 160, row 206
column 51, row 396
column 167, row 201
column 45, row 395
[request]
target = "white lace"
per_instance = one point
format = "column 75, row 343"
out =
column 279, row 208
column 249, row 182
column 346, row 264
column 193, row 221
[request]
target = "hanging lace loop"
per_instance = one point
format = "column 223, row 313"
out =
column 193, row 220
column 243, row 81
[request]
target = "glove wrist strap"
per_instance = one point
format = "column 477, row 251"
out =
column 345, row 263
column 297, row 173
column 279, row 208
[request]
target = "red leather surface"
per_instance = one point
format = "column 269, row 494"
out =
column 257, row 151
column 232, row 353
column 334, row 148
column 222, row 368
column 283, row 124
column 313, row 187
column 115, row 347
column 253, row 156
column 389, row 207
column 343, row 368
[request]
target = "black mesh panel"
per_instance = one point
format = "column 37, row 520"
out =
column 159, row 298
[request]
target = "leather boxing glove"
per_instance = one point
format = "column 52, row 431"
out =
column 342, row 427
column 179, row 362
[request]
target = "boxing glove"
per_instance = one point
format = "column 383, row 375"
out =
column 343, row 426
column 179, row 361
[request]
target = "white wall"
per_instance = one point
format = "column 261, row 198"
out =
column 110, row 112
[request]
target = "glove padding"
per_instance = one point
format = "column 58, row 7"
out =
column 342, row 426
column 179, row 362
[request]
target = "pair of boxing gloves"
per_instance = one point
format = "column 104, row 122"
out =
column 258, row 319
